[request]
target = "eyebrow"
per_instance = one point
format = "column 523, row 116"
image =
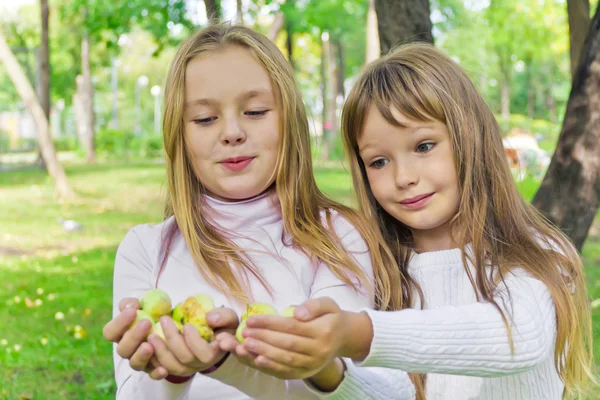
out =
column 414, row 128
column 243, row 97
column 368, row 145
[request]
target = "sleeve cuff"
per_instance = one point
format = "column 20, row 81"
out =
column 225, row 371
column 347, row 390
column 376, row 351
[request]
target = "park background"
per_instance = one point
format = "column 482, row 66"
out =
column 89, row 75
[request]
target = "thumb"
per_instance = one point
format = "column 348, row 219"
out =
column 222, row 317
column 314, row 308
column 129, row 302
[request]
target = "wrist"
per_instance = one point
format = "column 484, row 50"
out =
column 216, row 365
column 178, row 379
column 330, row 377
column 358, row 345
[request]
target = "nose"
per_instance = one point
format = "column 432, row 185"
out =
column 406, row 175
column 232, row 133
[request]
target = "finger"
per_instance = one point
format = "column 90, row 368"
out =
column 245, row 356
column 166, row 358
column 114, row 330
column 271, row 367
column 226, row 341
column 200, row 349
column 283, row 341
column 284, row 357
column 154, row 361
column 176, row 343
column 141, row 358
column 157, row 373
column 241, row 351
column 133, row 338
column 129, row 302
column 314, row 308
column 222, row 317
column 278, row 324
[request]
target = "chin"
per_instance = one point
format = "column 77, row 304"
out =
column 426, row 226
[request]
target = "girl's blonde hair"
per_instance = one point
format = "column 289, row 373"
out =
column 217, row 258
column 426, row 85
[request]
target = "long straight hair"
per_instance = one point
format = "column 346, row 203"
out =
column 426, row 85
column 302, row 203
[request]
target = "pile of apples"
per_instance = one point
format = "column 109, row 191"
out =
column 155, row 304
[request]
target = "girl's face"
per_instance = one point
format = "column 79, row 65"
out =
column 412, row 175
column 231, row 123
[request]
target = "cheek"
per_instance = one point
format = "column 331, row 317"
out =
column 270, row 143
column 377, row 182
column 199, row 144
column 270, row 131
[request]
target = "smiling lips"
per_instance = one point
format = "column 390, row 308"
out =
column 417, row 201
column 236, row 164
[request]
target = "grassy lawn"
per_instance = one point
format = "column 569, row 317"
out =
column 56, row 286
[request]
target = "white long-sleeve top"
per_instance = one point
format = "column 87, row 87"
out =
column 293, row 277
column 461, row 344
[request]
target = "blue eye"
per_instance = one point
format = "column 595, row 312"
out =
column 425, row 147
column 378, row 164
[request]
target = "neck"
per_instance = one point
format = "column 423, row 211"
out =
column 230, row 200
column 243, row 215
column 436, row 239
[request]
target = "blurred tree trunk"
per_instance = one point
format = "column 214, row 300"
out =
column 44, row 62
column 41, row 122
column 289, row 42
column 341, row 69
column 239, row 12
column 570, row 192
column 213, row 11
column 87, row 100
column 373, row 49
column 325, row 148
column 579, row 23
column 530, row 87
column 79, row 110
column 505, row 89
column 530, row 101
column 551, row 104
column 276, row 26
column 402, row 21
column 333, row 92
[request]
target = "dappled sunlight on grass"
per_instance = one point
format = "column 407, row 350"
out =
column 54, row 311
column 109, row 201
column 57, row 285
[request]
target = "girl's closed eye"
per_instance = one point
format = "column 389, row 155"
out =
column 425, row 147
column 204, row 121
column 257, row 113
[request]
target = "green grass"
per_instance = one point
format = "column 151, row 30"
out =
column 42, row 357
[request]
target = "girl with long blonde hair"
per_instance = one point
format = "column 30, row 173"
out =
column 245, row 222
column 496, row 298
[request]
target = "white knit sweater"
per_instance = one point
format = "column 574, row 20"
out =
column 255, row 224
column 460, row 343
